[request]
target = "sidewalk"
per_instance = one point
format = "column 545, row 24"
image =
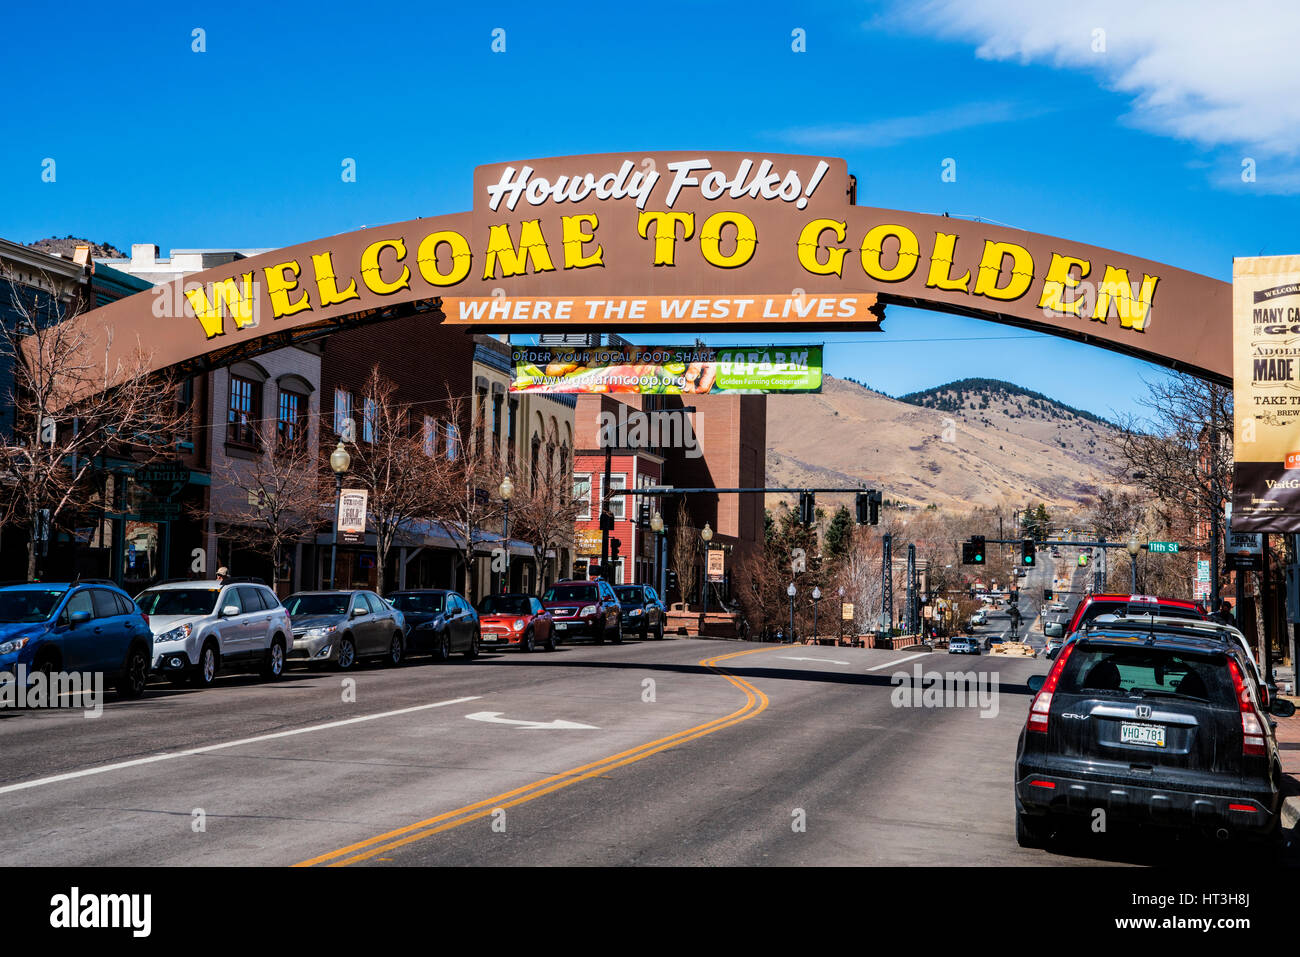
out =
column 1288, row 749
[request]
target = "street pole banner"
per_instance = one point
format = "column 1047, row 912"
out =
column 716, row 566
column 352, row 516
column 1266, row 393
column 668, row 370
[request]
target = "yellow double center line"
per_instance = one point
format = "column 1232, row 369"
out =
column 755, row 703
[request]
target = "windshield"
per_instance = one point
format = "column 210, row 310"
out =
column 1139, row 672
column 630, row 595
column 570, row 593
column 317, row 604
column 430, row 604
column 505, row 605
column 28, row 604
column 179, row 601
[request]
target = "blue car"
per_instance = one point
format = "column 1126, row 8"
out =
column 81, row 627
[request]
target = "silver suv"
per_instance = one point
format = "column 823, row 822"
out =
column 202, row 627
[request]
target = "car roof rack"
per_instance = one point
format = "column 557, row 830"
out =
column 1200, row 629
column 95, row 581
column 244, row 580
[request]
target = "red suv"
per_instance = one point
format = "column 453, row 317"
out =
column 584, row 609
column 1096, row 605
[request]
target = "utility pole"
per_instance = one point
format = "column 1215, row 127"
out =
column 911, row 588
column 887, row 582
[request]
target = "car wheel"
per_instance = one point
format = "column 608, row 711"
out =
column 205, row 672
column 550, row 639
column 645, row 631
column 600, row 638
column 395, row 653
column 273, row 666
column 347, row 654
column 135, row 673
column 47, row 663
column 528, row 643
column 618, row 634
column 659, row 630
column 472, row 651
column 1032, row 831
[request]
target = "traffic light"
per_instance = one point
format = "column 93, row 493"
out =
column 1047, row 594
column 972, row 551
column 874, row 499
column 672, row 581
column 863, row 505
column 614, row 544
column 1083, row 561
column 1027, row 552
column 807, row 508
column 643, row 512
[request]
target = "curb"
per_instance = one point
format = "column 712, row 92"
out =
column 1290, row 812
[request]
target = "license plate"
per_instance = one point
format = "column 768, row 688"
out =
column 1148, row 735
column 560, row 626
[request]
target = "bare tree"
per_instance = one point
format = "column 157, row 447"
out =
column 465, row 485
column 544, row 515
column 392, row 463
column 686, row 553
column 73, row 406
column 273, row 502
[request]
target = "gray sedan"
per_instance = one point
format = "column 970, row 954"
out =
column 341, row 627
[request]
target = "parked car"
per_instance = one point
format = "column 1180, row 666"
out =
column 201, row 628
column 521, row 620
column 342, row 627
column 1093, row 605
column 963, row 645
column 1054, row 644
column 439, row 622
column 585, row 609
column 86, row 626
column 1162, row 725
column 641, row 610
column 979, row 618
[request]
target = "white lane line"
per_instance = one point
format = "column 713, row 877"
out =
column 71, row 775
column 890, row 664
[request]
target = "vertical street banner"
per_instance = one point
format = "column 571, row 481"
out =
column 1266, row 393
column 716, row 566
column 352, row 516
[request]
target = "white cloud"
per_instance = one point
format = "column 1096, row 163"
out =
column 893, row 130
column 1217, row 74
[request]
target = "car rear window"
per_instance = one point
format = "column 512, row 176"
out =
column 178, row 601
column 1146, row 671
column 570, row 593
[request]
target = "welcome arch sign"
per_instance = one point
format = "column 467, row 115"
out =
column 676, row 240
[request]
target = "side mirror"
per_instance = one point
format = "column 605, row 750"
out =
column 229, row 611
column 1036, row 682
column 357, row 612
column 1281, row 708
column 79, row 618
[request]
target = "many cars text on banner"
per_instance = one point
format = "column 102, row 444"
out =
column 668, row 370
column 1266, row 393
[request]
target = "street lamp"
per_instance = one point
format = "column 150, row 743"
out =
column 706, row 536
column 1134, row 546
column 790, row 590
column 657, row 526
column 817, row 597
column 839, row 639
column 506, row 491
column 340, row 462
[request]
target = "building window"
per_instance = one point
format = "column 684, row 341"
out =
column 453, row 441
column 512, row 412
column 430, row 435
column 342, row 410
column 368, row 420
column 291, row 417
column 533, row 463
column 244, row 411
column 582, row 495
column 617, row 504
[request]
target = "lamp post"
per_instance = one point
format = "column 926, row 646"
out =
column 1133, row 548
column 506, row 491
column 657, row 526
column 817, row 597
column 706, row 536
column 790, row 590
column 839, row 638
column 340, row 462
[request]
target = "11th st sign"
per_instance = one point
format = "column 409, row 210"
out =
column 1162, row 548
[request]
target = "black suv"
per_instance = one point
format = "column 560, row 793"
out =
column 641, row 610
column 1157, row 725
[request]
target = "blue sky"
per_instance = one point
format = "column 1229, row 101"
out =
column 1137, row 148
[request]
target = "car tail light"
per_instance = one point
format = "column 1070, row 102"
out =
column 1042, row 705
column 1252, row 732
column 146, row 619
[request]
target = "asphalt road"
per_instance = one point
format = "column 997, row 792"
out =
column 697, row 752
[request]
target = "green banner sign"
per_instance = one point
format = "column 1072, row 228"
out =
column 668, row 370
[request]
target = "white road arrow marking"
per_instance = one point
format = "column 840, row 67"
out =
column 494, row 717
column 833, row 661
